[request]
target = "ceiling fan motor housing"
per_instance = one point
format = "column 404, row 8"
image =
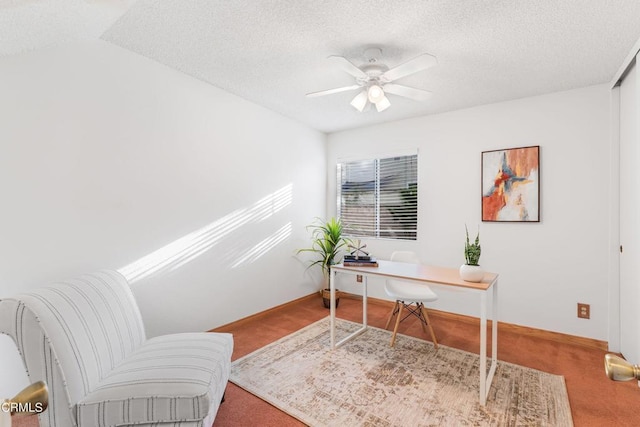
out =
column 373, row 72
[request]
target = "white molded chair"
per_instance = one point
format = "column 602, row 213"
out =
column 409, row 295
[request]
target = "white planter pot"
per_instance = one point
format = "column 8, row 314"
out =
column 471, row 273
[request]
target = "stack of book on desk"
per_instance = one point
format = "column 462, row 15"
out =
column 360, row 261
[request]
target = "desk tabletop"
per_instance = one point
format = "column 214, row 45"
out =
column 420, row 272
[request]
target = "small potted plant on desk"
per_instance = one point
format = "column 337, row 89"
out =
column 326, row 244
column 471, row 271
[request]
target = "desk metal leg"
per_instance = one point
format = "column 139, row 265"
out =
column 364, row 301
column 486, row 378
column 483, row 348
column 332, row 307
column 335, row 344
column 494, row 335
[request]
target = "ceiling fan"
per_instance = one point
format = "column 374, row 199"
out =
column 376, row 79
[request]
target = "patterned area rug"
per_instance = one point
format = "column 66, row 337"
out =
column 367, row 383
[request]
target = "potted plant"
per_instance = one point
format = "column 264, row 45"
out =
column 471, row 271
column 326, row 244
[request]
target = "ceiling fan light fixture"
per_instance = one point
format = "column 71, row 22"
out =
column 383, row 104
column 375, row 80
column 360, row 101
column 375, row 93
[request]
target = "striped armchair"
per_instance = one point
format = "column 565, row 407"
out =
column 85, row 338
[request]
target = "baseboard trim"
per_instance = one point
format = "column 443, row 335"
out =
column 233, row 325
column 502, row 326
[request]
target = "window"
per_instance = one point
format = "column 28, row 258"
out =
column 379, row 197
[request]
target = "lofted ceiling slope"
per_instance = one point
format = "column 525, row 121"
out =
column 27, row 25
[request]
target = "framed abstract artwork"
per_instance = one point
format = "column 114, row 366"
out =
column 511, row 185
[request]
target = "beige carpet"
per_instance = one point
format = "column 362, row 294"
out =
column 367, row 383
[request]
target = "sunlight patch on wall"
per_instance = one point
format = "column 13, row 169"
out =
column 187, row 248
column 264, row 246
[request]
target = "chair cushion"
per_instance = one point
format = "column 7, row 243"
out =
column 169, row 378
column 409, row 292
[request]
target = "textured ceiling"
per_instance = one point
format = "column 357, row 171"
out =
column 33, row 24
column 273, row 52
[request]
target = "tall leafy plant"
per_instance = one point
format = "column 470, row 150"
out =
column 326, row 243
column 472, row 250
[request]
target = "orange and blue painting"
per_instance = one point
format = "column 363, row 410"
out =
column 511, row 185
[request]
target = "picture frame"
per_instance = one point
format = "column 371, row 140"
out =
column 511, row 185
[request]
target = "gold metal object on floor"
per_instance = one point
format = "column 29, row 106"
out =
column 618, row 369
column 33, row 399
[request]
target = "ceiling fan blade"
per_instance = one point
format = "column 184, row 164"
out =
column 407, row 92
column 348, row 67
column 331, row 91
column 414, row 65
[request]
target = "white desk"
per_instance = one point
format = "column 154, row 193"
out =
column 436, row 276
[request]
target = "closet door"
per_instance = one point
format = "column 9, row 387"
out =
column 630, row 215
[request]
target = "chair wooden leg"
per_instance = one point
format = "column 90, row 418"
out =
column 395, row 307
column 395, row 330
column 433, row 335
column 423, row 320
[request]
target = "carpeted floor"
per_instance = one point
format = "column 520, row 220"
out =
column 595, row 400
column 25, row 421
column 367, row 383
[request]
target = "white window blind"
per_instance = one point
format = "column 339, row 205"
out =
column 379, row 197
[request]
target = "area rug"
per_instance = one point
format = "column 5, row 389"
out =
column 367, row 383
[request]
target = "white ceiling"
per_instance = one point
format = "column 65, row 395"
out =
column 272, row 52
column 33, row 24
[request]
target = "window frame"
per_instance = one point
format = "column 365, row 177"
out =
column 377, row 233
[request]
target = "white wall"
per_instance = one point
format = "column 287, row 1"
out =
column 107, row 156
column 545, row 268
